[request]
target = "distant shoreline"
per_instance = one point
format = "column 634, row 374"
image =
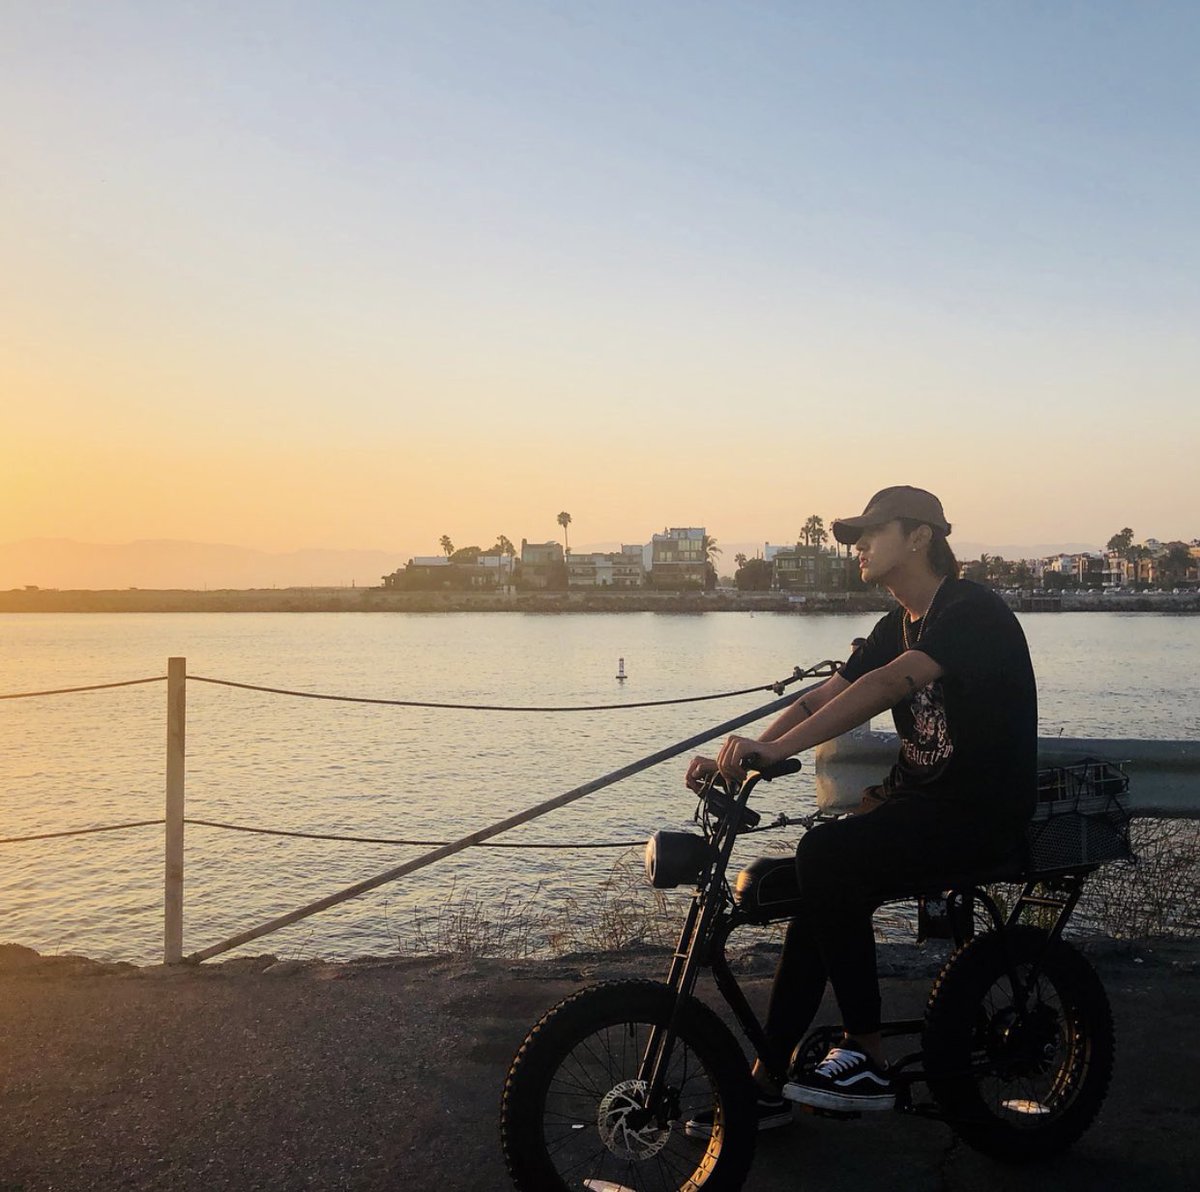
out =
column 382, row 600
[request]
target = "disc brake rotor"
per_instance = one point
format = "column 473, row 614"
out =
column 625, row 1126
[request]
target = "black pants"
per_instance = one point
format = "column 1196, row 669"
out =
column 846, row 868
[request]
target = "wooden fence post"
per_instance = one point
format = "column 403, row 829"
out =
column 176, row 731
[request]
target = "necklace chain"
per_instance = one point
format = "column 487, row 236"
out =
column 904, row 620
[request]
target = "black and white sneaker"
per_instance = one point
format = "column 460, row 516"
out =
column 846, row 1079
column 772, row 1112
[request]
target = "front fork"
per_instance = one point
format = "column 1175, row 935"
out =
column 686, row 962
column 701, row 942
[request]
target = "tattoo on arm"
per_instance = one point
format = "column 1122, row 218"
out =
column 807, row 710
column 912, row 684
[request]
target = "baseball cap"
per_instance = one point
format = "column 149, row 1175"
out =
column 901, row 500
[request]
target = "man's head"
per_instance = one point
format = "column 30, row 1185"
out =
column 901, row 502
column 901, row 526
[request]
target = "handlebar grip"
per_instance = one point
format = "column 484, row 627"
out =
column 780, row 769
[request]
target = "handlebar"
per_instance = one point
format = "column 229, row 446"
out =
column 780, row 769
column 721, row 799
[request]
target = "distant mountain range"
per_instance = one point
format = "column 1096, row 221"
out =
column 171, row 563
column 168, row 563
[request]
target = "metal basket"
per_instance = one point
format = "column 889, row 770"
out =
column 1081, row 818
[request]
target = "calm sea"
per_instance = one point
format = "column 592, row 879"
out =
column 271, row 761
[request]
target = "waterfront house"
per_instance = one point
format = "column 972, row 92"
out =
column 677, row 558
column 422, row 569
column 542, row 565
column 500, row 562
column 1090, row 568
column 431, row 572
column 810, row 569
column 606, row 569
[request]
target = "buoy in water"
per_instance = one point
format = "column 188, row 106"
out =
column 621, row 675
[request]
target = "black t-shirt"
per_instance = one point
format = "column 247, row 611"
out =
column 972, row 734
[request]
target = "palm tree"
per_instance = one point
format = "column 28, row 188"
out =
column 740, row 560
column 981, row 569
column 564, row 520
column 710, row 550
column 446, row 545
column 814, row 533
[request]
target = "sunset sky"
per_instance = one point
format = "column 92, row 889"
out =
column 357, row 275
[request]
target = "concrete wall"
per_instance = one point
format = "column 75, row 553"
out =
column 1164, row 776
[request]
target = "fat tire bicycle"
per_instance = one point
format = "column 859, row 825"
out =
column 1016, row 1043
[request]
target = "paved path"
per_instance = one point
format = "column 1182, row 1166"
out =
column 387, row 1076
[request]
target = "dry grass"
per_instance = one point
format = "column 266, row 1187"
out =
column 1158, row 897
column 622, row 912
column 625, row 910
column 469, row 925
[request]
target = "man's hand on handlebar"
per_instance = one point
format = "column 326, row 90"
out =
column 731, row 762
column 699, row 772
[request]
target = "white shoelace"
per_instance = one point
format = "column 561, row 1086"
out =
column 839, row 1060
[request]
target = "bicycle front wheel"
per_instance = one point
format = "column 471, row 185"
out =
column 1018, row 1083
column 574, row 1113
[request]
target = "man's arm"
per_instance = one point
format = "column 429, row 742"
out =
column 803, row 708
column 702, row 767
column 867, row 696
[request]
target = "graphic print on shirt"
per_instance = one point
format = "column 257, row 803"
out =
column 930, row 746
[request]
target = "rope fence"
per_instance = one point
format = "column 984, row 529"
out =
column 286, row 832
column 175, row 820
column 90, row 687
column 412, row 703
column 81, row 831
column 544, row 844
column 777, row 687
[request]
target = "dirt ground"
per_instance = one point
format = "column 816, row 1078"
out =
column 254, row 1075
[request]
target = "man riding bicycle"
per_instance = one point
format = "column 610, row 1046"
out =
column 952, row 665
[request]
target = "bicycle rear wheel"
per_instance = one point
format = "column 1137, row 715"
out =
column 574, row 1114
column 1014, row 1084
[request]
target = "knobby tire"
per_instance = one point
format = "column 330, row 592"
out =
column 1016, row 1087
column 553, row 1108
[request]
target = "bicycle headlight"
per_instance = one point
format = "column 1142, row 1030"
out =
column 675, row 859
